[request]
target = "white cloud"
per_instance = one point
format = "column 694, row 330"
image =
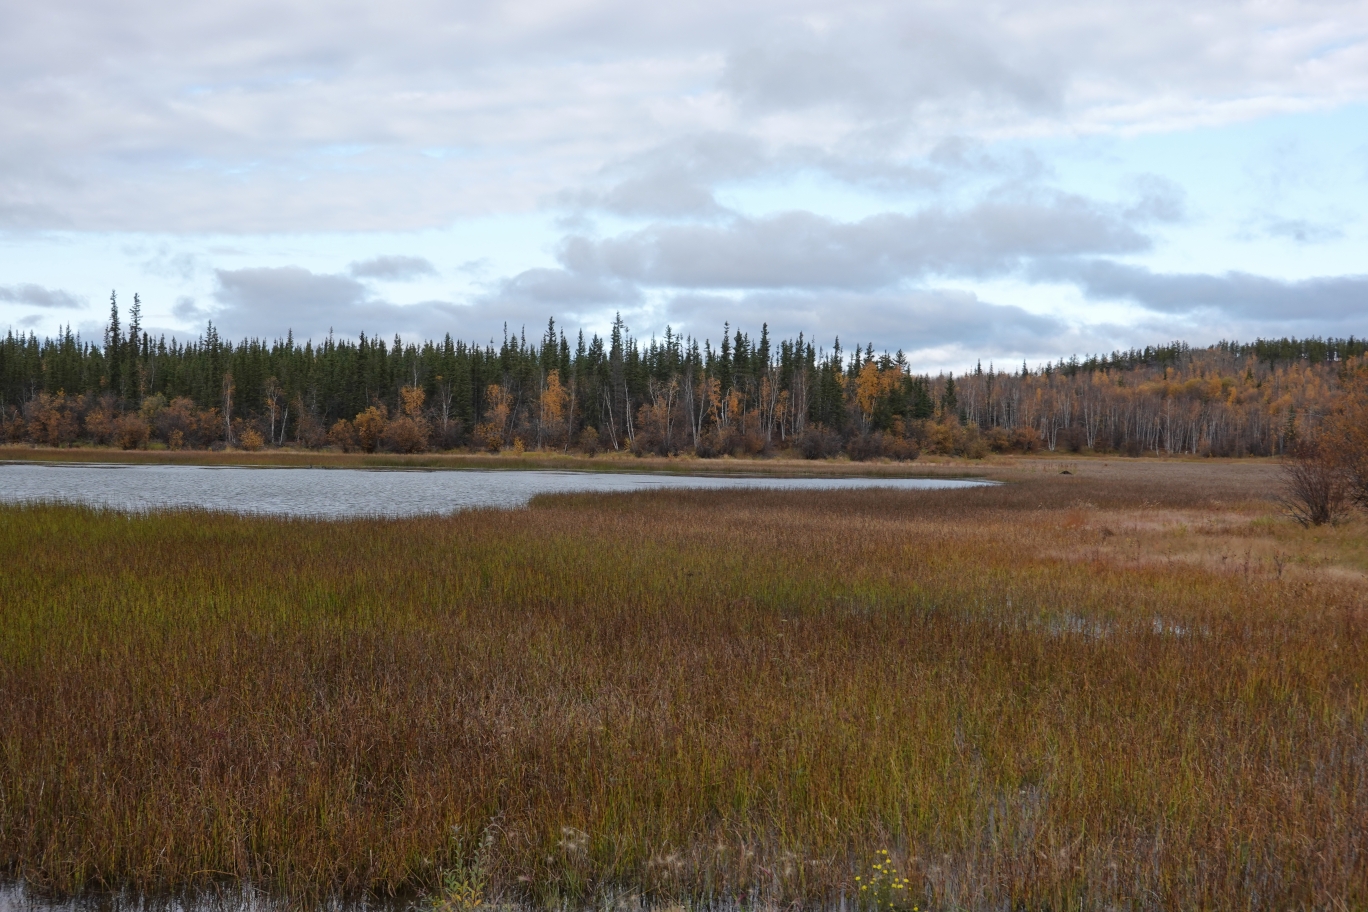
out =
column 298, row 115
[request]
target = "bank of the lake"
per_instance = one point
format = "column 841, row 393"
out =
column 616, row 462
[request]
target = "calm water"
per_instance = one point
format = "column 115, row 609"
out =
column 337, row 493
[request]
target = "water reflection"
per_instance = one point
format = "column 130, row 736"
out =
column 341, row 493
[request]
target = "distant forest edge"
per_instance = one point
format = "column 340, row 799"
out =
column 748, row 396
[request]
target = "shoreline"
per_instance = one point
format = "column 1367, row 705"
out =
column 783, row 466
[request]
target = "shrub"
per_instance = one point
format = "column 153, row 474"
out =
column 251, row 440
column 309, row 431
column 1315, row 484
column 866, row 446
column 99, row 425
column 405, row 434
column 903, row 449
column 152, row 406
column 749, row 444
column 944, row 436
column 447, row 435
column 1346, row 433
column 490, row 436
column 342, row 435
column 53, row 420
column 818, row 442
column 131, row 432
column 176, row 419
column 971, row 444
column 1025, row 439
column 710, row 445
column 370, row 427
column 12, row 427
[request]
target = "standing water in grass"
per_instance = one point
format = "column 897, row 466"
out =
column 340, row 493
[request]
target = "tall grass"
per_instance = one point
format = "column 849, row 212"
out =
column 703, row 695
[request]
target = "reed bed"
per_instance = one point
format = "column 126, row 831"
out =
column 707, row 697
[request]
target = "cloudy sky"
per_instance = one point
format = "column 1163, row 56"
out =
column 1007, row 181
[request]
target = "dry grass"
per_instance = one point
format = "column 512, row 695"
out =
column 1048, row 694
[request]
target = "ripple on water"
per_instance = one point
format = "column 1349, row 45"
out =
column 344, row 493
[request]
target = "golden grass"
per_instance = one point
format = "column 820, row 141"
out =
column 1046, row 694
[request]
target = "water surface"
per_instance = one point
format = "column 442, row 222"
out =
column 341, row 493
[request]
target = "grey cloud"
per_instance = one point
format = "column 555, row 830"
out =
column 662, row 194
column 885, row 62
column 16, row 215
column 675, row 178
column 38, row 296
column 529, row 298
column 678, row 179
column 936, row 328
column 1336, row 299
column 270, row 301
column 186, row 308
column 566, row 288
column 802, row 250
column 392, row 268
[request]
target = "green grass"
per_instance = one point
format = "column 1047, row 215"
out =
column 694, row 696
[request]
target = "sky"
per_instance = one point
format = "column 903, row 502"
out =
column 998, row 181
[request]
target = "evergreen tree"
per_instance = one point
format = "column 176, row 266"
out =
column 114, row 347
column 949, row 400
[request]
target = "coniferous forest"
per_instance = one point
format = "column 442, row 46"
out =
column 748, row 394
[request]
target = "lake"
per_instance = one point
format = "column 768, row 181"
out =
column 343, row 493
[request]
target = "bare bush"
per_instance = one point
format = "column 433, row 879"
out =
column 1315, row 484
column 1347, row 426
column 818, row 442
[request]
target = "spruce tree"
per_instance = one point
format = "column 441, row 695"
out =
column 131, row 373
column 113, row 347
column 949, row 400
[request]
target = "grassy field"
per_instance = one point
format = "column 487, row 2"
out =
column 1134, row 685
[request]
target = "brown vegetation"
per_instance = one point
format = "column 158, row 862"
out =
column 1327, row 469
column 1132, row 685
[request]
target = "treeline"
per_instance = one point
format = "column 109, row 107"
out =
column 750, row 394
